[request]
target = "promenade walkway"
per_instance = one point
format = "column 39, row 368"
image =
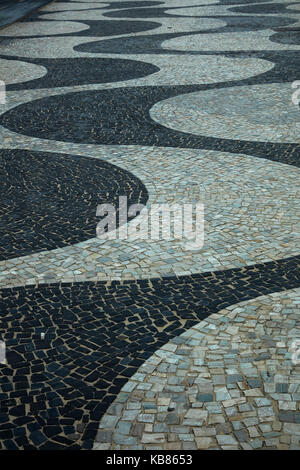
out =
column 120, row 343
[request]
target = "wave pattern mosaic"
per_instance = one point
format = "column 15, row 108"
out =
column 146, row 344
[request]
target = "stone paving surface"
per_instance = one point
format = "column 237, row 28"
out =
column 260, row 232
column 12, row 10
column 229, row 382
column 166, row 102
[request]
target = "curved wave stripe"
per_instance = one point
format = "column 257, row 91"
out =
column 50, row 200
column 251, row 216
column 16, row 71
column 73, row 28
column 261, row 113
column 96, row 337
column 39, row 119
column 68, row 72
column 13, row 10
column 73, row 342
column 231, row 365
column 43, row 28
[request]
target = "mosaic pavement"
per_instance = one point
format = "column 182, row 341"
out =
column 147, row 344
column 12, row 10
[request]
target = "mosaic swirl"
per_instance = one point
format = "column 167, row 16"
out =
column 96, row 337
column 162, row 101
column 227, row 383
column 269, row 196
column 49, row 200
column 260, row 112
column 43, row 28
column 68, row 72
